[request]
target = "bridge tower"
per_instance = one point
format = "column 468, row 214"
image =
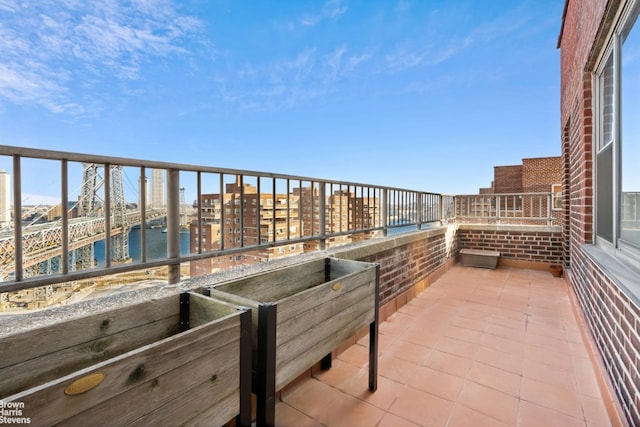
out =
column 91, row 203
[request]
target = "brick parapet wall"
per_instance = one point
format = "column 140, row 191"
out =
column 614, row 320
column 407, row 260
column 524, row 246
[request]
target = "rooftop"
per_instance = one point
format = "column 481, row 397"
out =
column 502, row 347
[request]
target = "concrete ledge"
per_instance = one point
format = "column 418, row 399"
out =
column 508, row 227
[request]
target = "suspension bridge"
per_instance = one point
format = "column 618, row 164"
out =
column 101, row 197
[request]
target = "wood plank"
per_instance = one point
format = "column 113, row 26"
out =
column 325, row 309
column 277, row 284
column 241, row 302
column 170, row 396
column 203, row 309
column 308, row 352
column 48, row 367
column 343, row 267
column 126, row 371
column 215, row 416
column 21, row 346
column 303, row 301
column 340, row 324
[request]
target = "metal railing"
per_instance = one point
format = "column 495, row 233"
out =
column 511, row 208
column 234, row 213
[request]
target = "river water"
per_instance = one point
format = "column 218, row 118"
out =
column 156, row 245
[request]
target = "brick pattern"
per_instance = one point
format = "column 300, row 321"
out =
column 614, row 320
column 528, row 246
column 507, row 179
column 540, row 173
column 404, row 266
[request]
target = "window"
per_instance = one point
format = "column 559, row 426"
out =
column 617, row 144
column 630, row 136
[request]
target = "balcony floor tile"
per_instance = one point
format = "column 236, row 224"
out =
column 478, row 347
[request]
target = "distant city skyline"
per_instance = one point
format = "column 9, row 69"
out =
column 421, row 95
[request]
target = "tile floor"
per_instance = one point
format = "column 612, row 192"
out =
column 477, row 348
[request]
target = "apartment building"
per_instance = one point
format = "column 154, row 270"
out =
column 242, row 217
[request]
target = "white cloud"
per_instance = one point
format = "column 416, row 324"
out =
column 49, row 47
column 285, row 83
column 332, row 9
column 8, row 5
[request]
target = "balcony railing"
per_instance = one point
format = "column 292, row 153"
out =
column 511, row 208
column 115, row 191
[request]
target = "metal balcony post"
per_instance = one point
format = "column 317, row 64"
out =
column 173, row 224
column 385, row 210
column 498, row 209
column 322, row 215
column 420, row 216
column 550, row 209
column 64, row 258
column 17, row 217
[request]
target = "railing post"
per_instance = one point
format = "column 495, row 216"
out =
column 385, row 210
column 173, row 224
column 498, row 209
column 17, row 215
column 322, row 214
column 550, row 209
column 64, row 220
column 420, row 216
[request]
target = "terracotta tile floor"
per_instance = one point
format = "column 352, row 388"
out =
column 477, row 348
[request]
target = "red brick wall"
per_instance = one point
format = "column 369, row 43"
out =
column 533, row 247
column 539, row 174
column 407, row 264
column 507, row 179
column 613, row 317
column 614, row 320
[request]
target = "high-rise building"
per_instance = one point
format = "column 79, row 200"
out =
column 144, row 181
column 241, row 218
column 5, row 199
column 157, row 189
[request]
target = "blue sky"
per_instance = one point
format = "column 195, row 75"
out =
column 417, row 94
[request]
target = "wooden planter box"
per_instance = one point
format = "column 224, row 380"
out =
column 300, row 314
column 168, row 361
column 479, row 258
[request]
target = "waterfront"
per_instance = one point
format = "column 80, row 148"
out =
column 156, row 245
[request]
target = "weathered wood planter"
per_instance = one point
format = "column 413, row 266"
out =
column 169, row 361
column 479, row 258
column 300, row 314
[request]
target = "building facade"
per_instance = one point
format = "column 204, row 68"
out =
column 600, row 81
column 242, row 217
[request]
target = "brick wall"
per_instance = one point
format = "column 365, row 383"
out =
column 613, row 317
column 539, row 174
column 520, row 246
column 411, row 259
column 507, row 179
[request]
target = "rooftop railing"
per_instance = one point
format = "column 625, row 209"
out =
column 230, row 213
column 509, row 208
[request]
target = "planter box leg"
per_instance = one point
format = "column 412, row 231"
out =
column 373, row 338
column 266, row 387
column 325, row 362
